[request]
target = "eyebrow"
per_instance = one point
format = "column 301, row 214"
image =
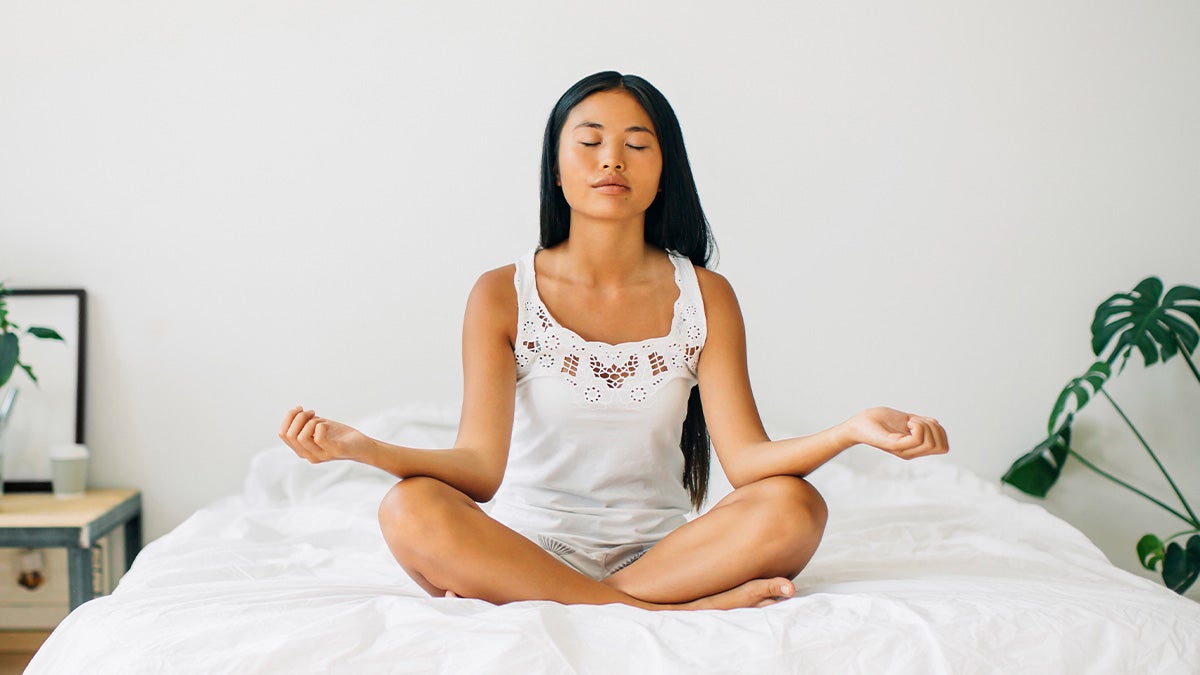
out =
column 597, row 125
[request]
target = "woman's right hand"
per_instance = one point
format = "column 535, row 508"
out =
column 320, row 440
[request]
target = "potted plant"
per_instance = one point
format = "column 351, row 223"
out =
column 1159, row 327
column 10, row 360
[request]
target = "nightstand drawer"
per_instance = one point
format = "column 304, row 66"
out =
column 77, row 526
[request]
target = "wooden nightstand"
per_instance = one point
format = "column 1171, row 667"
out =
column 44, row 521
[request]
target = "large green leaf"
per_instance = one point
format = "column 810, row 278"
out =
column 1138, row 320
column 1036, row 472
column 1082, row 389
column 10, row 351
column 1181, row 565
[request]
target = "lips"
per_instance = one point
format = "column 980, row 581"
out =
column 610, row 181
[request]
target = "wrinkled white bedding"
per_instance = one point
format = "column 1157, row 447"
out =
column 924, row 568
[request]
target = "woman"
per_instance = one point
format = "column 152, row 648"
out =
column 589, row 365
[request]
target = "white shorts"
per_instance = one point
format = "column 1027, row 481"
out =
column 605, row 549
column 596, row 563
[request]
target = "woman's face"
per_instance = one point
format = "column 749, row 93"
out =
column 609, row 160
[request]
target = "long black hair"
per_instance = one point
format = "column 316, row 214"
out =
column 674, row 222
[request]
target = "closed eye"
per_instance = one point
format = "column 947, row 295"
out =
column 590, row 145
column 637, row 147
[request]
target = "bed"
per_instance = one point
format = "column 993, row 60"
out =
column 925, row 568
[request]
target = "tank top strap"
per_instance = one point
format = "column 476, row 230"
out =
column 532, row 322
column 691, row 324
column 524, row 281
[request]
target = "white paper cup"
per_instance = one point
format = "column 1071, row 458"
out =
column 68, row 470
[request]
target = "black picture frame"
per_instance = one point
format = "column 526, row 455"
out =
column 76, row 359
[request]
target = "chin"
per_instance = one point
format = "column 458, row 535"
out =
column 613, row 210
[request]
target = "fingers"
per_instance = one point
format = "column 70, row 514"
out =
column 298, row 423
column 933, row 438
column 309, row 428
column 920, row 429
column 943, row 440
column 287, row 420
column 298, row 432
column 917, row 433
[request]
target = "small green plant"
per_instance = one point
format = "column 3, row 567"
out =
column 1159, row 327
column 10, row 346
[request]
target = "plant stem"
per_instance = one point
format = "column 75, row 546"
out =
column 1123, row 484
column 1153, row 456
column 1180, row 534
column 1187, row 357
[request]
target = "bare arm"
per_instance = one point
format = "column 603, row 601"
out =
column 475, row 465
column 736, row 429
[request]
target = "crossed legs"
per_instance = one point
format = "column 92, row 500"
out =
column 741, row 553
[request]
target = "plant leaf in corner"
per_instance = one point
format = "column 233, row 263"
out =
column 1037, row 471
column 44, row 333
column 1082, row 388
column 1138, row 320
column 1181, row 565
column 10, row 351
column 1150, row 551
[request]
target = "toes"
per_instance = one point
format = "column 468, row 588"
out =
column 777, row 590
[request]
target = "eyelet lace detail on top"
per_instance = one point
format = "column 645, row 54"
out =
column 607, row 374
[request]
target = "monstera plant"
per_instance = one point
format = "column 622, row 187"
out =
column 1159, row 327
column 10, row 347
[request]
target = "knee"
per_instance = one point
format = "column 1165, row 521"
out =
column 413, row 510
column 791, row 516
column 794, row 500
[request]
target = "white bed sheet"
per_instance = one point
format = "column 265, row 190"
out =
column 924, row 568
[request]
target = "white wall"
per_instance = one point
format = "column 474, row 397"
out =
column 282, row 203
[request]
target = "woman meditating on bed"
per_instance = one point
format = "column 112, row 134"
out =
column 588, row 366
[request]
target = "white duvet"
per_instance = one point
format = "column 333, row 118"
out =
column 924, row 568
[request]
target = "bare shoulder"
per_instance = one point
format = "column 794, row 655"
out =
column 497, row 284
column 719, row 298
column 493, row 300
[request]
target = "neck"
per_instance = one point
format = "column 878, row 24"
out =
column 606, row 253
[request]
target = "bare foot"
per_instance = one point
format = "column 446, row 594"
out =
column 753, row 593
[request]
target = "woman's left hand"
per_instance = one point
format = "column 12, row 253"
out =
column 902, row 434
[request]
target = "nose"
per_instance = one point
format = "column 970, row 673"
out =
column 614, row 164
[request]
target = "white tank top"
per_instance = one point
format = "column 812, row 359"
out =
column 595, row 459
